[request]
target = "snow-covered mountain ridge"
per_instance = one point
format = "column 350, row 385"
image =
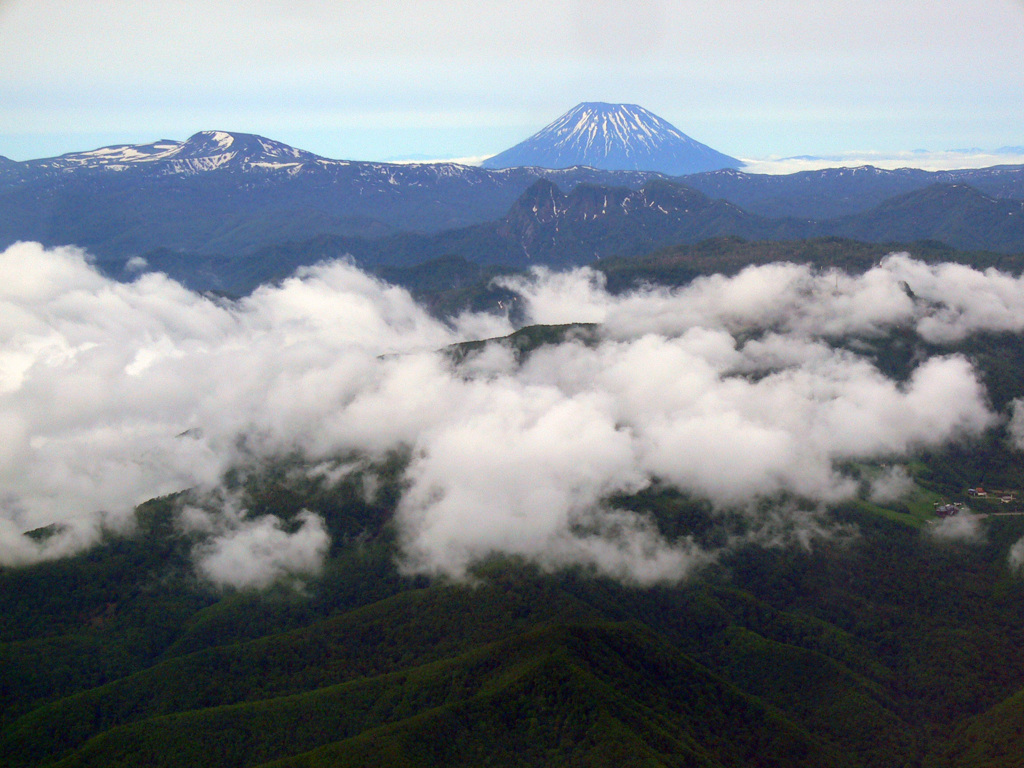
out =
column 243, row 152
column 203, row 151
column 613, row 137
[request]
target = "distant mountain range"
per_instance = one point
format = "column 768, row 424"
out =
column 613, row 137
column 546, row 226
column 234, row 193
column 835, row 192
column 222, row 209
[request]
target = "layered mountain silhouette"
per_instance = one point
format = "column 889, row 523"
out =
column 613, row 137
column 547, row 226
column 957, row 214
column 834, row 192
column 221, row 192
column 223, row 198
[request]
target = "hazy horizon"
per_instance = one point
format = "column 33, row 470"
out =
column 772, row 165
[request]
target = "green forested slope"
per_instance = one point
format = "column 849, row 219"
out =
column 991, row 740
column 868, row 653
column 884, row 646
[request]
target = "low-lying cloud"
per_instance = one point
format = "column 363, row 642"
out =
column 963, row 527
column 892, row 484
column 941, row 302
column 728, row 389
column 947, row 160
column 1015, row 557
column 256, row 552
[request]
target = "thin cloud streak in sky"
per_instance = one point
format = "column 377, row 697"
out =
column 114, row 393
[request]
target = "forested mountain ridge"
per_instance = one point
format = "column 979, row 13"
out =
column 955, row 214
column 548, row 227
column 772, row 654
column 836, row 192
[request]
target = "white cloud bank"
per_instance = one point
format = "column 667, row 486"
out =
column 947, row 160
column 113, row 393
column 257, row 552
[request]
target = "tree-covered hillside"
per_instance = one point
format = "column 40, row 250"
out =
column 866, row 633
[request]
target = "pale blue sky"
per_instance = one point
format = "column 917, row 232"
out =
column 373, row 80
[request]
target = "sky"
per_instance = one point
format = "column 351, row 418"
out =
column 379, row 80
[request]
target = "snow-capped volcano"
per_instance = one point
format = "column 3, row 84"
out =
column 613, row 137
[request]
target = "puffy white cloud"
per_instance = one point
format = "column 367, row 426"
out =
column 962, row 527
column 728, row 389
column 513, row 473
column 891, row 485
column 942, row 302
column 786, row 297
column 257, row 552
column 103, row 385
column 1015, row 558
column 1016, row 425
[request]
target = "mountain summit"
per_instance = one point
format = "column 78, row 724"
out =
column 613, row 137
column 203, row 151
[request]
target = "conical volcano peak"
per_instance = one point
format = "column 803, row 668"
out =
column 613, row 137
column 622, row 120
